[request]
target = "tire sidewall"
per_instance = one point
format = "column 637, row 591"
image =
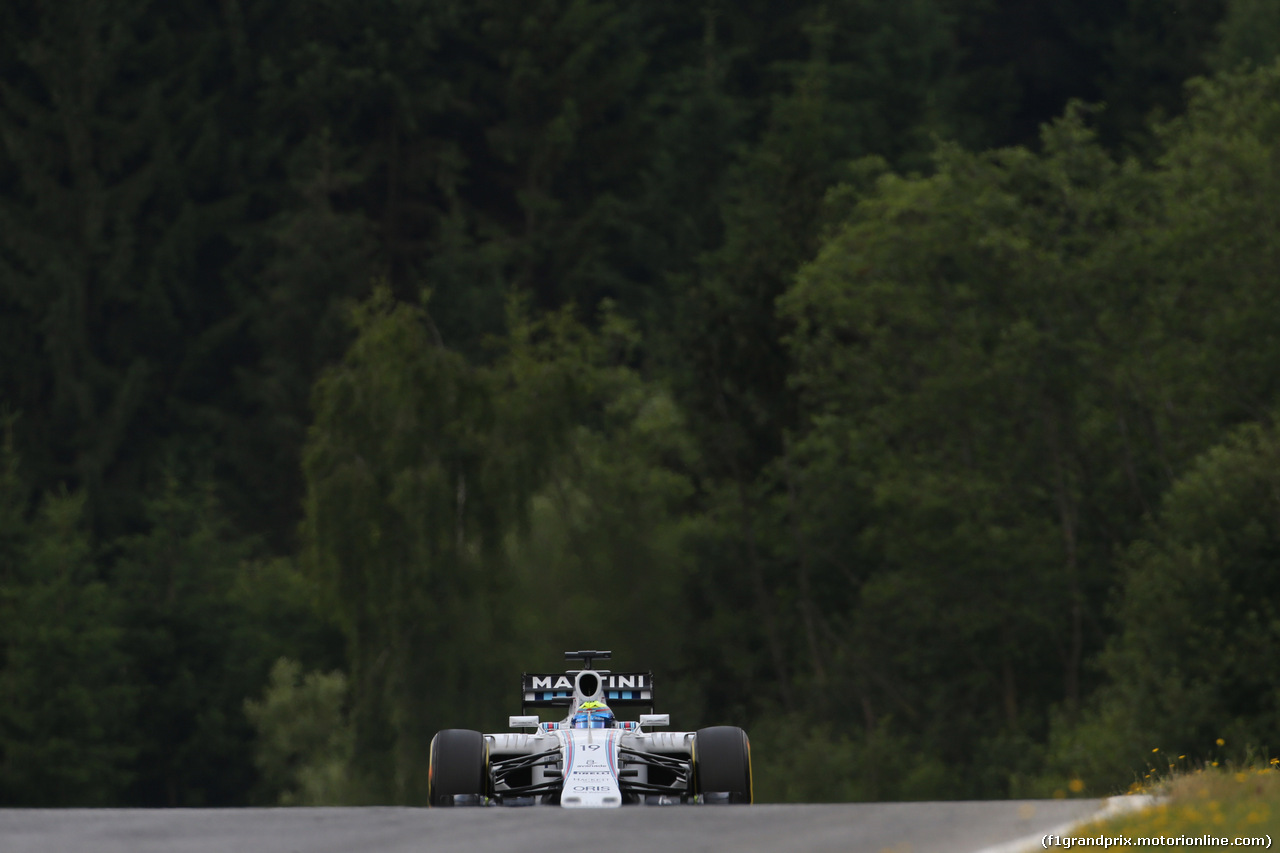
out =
column 722, row 763
column 458, row 765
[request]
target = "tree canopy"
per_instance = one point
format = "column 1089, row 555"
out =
column 901, row 374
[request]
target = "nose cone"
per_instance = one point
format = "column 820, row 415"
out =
column 591, row 770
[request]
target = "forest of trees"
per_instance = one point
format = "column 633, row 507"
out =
column 898, row 381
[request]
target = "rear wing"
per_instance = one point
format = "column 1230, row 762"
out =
column 555, row 689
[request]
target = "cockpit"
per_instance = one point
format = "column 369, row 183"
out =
column 598, row 717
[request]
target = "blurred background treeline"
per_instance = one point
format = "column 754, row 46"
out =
column 897, row 380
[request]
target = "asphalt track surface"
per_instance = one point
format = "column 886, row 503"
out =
column 950, row 827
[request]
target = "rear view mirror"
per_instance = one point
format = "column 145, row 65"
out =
column 530, row 722
column 655, row 720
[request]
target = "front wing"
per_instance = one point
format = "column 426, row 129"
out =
column 590, row 768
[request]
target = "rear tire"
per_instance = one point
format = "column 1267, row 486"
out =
column 722, row 763
column 459, row 765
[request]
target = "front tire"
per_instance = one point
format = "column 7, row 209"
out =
column 459, row 766
column 722, row 763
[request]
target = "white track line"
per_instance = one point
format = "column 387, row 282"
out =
column 1113, row 807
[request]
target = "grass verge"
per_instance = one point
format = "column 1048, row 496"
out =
column 1219, row 802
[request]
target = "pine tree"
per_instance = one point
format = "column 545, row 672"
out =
column 111, row 239
column 65, row 737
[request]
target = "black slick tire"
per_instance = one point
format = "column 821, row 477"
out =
column 459, row 765
column 722, row 763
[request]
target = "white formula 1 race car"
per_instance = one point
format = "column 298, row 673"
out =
column 590, row 759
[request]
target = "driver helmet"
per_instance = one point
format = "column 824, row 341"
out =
column 593, row 715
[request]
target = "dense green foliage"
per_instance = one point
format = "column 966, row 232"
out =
column 1200, row 623
column 838, row 361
